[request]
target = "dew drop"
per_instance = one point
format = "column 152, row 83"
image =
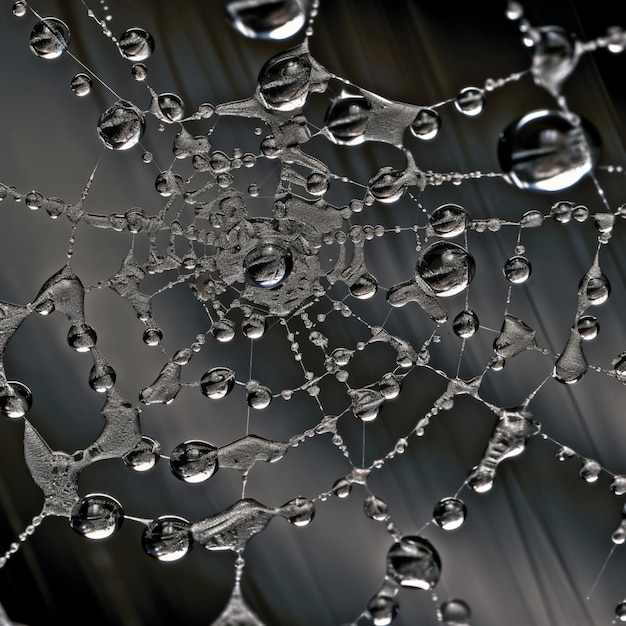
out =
column 517, row 269
column 16, row 399
column 194, row 461
column 590, row 471
column 267, row 265
column 449, row 220
column 449, row 513
column 299, row 511
column 376, row 509
column 564, row 453
column 152, row 336
column 598, row 289
column 170, row 107
column 620, row 611
column 101, row 377
column 346, row 119
column 49, row 38
column 96, row 516
column 366, row 403
column 383, row 608
column 139, row 72
column 446, row 267
column 364, row 287
column 223, row 330
column 136, row 44
column 217, row 383
column 426, row 124
column 144, row 456
column 618, row 485
column 254, row 326
column 267, row 19
column 389, row 386
column 588, row 327
column 317, row 184
column 259, row 397
column 555, row 55
column 414, row 562
column 455, row 613
column 121, row 126
column 465, row 324
column 470, row 101
column 81, row 337
column 167, row 538
column 342, row 488
column 19, row 8
column 81, row 84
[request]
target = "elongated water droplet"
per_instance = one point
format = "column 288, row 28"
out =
column 572, row 364
column 517, row 269
column 376, row 509
column 267, row 19
column 267, row 265
column 515, row 337
column 97, row 516
column 465, row 324
column 449, row 220
column 136, row 44
column 449, row 513
column 447, row 268
column 81, row 84
column 555, row 55
column 121, row 126
column 237, row 612
column 588, row 327
column 81, row 337
column 426, row 124
column 194, row 461
column 49, row 38
column 144, row 456
column 414, row 562
column 167, row 538
column 16, row 399
column 101, row 377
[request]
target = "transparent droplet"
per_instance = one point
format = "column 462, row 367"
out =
column 470, row 101
column 135, row 44
column 620, row 611
column 366, row 403
column 81, row 84
column 449, row 220
column 82, row 337
column 300, row 511
column 259, row 397
column 139, row 72
column 223, row 330
column 167, row 538
column 96, row 516
column 455, row 613
column 144, row 456
column 414, row 562
column 547, row 151
column 590, row 471
column 376, row 509
column 618, row 485
column 49, row 38
column 342, row 488
column 465, row 324
column 171, row 107
column 121, row 126
column 254, row 326
column 389, row 386
column 267, row 19
column 564, row 453
column 194, row 461
column 364, row 287
column 383, row 608
column 426, row 124
column 446, row 267
column 317, row 184
column 555, row 56
column 284, row 81
column 346, row 119
column 598, row 290
column 267, row 265
column 16, row 399
column 19, row 8
column 517, row 269
column 152, row 336
column 217, row 383
column 449, row 513
column 588, row 327
column 101, row 377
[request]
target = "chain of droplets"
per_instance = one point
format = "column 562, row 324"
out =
column 386, row 187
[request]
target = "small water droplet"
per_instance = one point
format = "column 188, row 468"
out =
column 135, row 44
column 564, row 453
column 194, row 461
column 376, row 509
column 19, row 8
column 470, row 101
column 555, row 56
column 254, row 326
column 144, row 456
column 588, row 327
column 342, row 488
column 446, row 267
column 426, row 124
column 317, row 184
column 383, row 608
column 366, row 403
column 618, row 485
column 81, row 84
column 620, row 611
column 364, row 287
column 267, row 19
column 465, row 324
column 299, row 511
column 152, row 336
column 139, row 72
column 167, row 538
column 267, row 265
column 449, row 513
column 389, row 386
column 16, row 399
column 49, row 38
column 590, row 471
column 170, row 107
column 217, row 383
column 81, row 337
column 414, row 562
column 455, row 612
column 517, row 269
column 97, row 516
column 449, row 220
column 223, row 330
column 346, row 119
column 259, row 397
column 121, row 126
column 101, row 377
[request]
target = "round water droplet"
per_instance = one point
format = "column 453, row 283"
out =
column 139, row 72
column 598, row 290
column 470, row 101
column 449, row 513
column 342, row 488
column 171, row 107
column 364, row 287
column 620, row 611
column 267, row 19
column 135, row 44
column 81, row 84
column 383, row 609
column 82, row 337
column 144, row 456
column 194, row 461
column 167, row 538
column 588, row 327
column 517, row 269
column 590, row 471
column 446, row 267
column 346, row 119
column 16, row 400
column 284, row 82
column 618, row 485
column 49, row 38
column 267, row 265
column 414, row 562
column 449, row 220
column 152, row 336
column 547, row 151
column 465, row 324
column 389, row 386
column 300, row 511
column 259, row 397
column 254, row 326
column 217, row 383
column 376, row 509
column 455, row 613
column 121, row 126
column 223, row 330
column 102, row 378
column 426, row 124
column 96, row 516
column 317, row 184
column 19, row 8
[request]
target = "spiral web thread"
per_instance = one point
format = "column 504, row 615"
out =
column 305, row 274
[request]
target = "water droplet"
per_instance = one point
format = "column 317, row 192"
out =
column 342, row 488
column 414, row 562
column 299, row 511
column 144, row 456
column 121, row 126
column 49, row 38
column 135, row 44
column 590, row 471
column 548, row 150
column 15, row 399
column 449, row 220
column 194, row 461
column 259, row 397
column 598, row 290
column 34, row 200
column 383, row 608
column 267, row 265
column 217, row 383
column 618, row 485
column 555, row 55
column 389, row 386
column 254, row 326
column 470, row 101
column 223, row 330
column 426, row 124
column 152, row 336
column 19, row 8
column 267, row 19
column 346, row 119
column 317, row 184
column 449, row 513
column 620, row 611
column 364, row 287
column 366, row 403
column 170, row 107
column 101, row 377
column 81, row 337
column 167, row 538
column 572, row 364
column 446, row 267
column 564, row 453
column 81, row 84
column 376, row 509
column 139, row 72
column 517, row 269
column 465, row 324
column 588, row 327
column 97, row 516
column 455, row 613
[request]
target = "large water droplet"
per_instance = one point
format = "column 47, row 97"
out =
column 121, row 126
column 144, row 456
column 169, row 107
column 389, row 386
column 15, row 399
column 449, row 513
column 465, row 324
column 598, row 290
column 446, row 267
column 136, row 44
column 414, row 562
column 217, row 383
column 194, row 461
column 267, row 265
column 49, row 38
column 548, row 150
column 96, row 516
column 588, row 327
column 426, row 124
column 167, row 538
column 267, row 19
column 455, row 613
column 517, row 269
column 449, row 220
column 346, row 119
column 81, row 84
column 19, row 8
column 102, row 377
